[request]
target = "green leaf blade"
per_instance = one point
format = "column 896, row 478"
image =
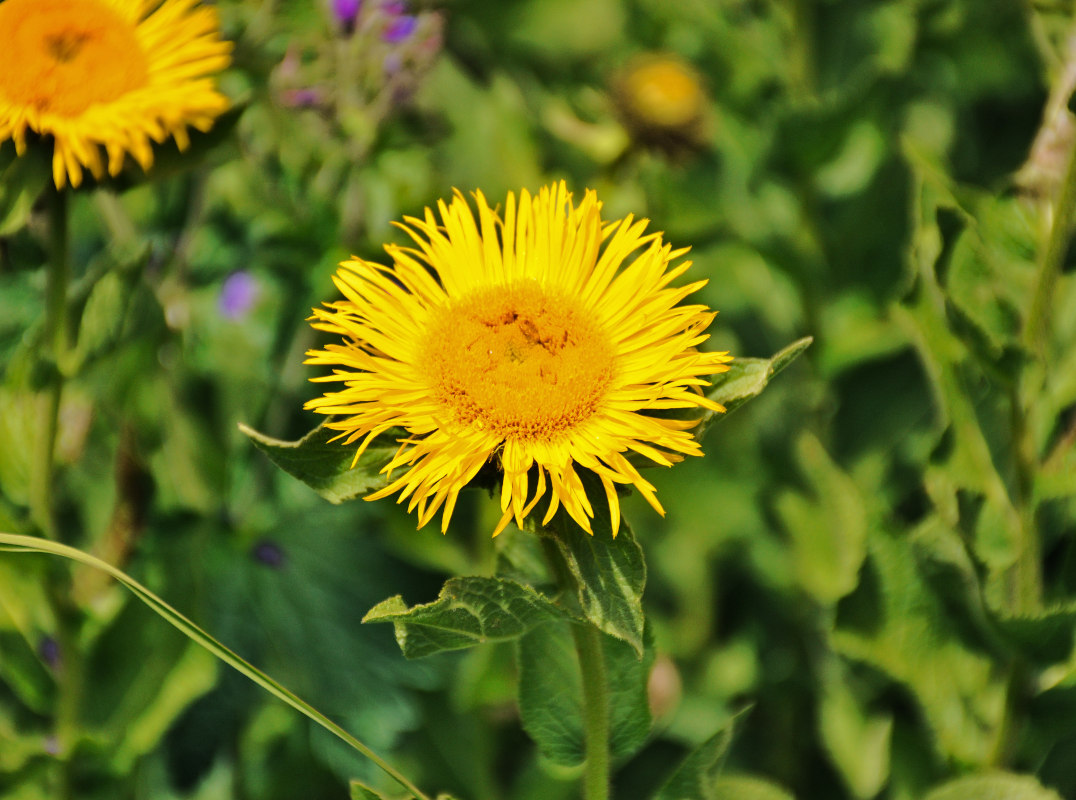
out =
column 995, row 786
column 610, row 572
column 360, row 791
column 22, row 179
column 551, row 695
column 697, row 774
column 748, row 787
column 748, row 377
column 326, row 465
column 469, row 611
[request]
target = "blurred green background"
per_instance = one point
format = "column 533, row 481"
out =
column 841, row 561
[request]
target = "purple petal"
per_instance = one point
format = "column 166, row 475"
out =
column 400, row 28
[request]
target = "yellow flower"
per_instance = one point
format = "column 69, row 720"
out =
column 107, row 73
column 663, row 101
column 541, row 338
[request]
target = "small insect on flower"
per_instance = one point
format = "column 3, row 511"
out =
column 116, row 74
column 539, row 337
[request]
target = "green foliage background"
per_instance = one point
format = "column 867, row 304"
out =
column 873, row 570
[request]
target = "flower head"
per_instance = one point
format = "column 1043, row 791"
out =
column 346, row 11
column 542, row 338
column 238, row 294
column 663, row 101
column 112, row 74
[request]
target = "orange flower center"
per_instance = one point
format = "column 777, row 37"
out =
column 517, row 361
column 63, row 56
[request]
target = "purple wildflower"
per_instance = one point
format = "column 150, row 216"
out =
column 346, row 12
column 238, row 294
column 399, row 29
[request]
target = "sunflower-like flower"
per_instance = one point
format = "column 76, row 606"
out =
column 107, row 73
column 541, row 338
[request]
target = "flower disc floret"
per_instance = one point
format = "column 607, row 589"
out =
column 540, row 338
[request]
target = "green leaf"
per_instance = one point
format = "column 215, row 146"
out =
column 551, row 695
column 993, row 786
column 105, row 317
column 696, row 777
column 19, row 423
column 1046, row 638
column 166, row 681
column 858, row 742
column 22, row 179
column 468, row 611
column 747, row 377
column 360, row 791
column 610, row 573
column 828, row 532
column 990, row 275
column 746, row 787
column 325, row 465
column 896, row 622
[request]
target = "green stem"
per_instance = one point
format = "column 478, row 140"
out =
column 1038, row 319
column 588, row 648
column 588, row 645
column 56, row 339
column 1025, row 590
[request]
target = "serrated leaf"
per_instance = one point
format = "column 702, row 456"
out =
column 469, row 611
column 610, row 573
column 551, row 695
column 22, row 179
column 993, row 786
column 747, row 787
column 697, row 774
column 748, row 377
column 325, row 465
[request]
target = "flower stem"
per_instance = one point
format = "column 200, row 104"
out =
column 55, row 347
column 588, row 648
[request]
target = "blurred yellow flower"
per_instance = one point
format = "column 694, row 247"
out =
column 662, row 99
column 107, row 73
column 541, row 337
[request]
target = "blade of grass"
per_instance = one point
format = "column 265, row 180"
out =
column 10, row 542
